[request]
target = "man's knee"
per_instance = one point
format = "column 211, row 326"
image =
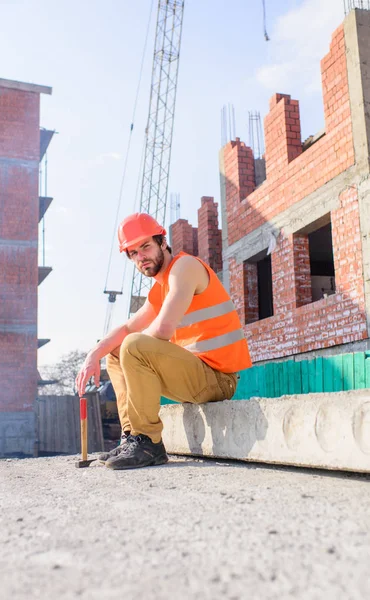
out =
column 131, row 344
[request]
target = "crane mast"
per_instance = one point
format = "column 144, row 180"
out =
column 159, row 128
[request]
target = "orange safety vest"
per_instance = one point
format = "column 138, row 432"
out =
column 210, row 328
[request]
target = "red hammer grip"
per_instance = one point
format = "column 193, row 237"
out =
column 83, row 408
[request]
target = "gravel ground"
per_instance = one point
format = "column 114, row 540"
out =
column 191, row 529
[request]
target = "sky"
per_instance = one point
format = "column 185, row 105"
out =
column 90, row 52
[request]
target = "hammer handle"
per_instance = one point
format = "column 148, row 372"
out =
column 83, row 417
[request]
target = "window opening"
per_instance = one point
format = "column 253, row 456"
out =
column 321, row 262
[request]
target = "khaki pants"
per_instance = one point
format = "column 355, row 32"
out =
column 144, row 368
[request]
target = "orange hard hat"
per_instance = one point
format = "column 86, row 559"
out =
column 137, row 227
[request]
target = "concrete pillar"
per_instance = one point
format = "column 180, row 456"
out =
column 224, row 227
column 357, row 45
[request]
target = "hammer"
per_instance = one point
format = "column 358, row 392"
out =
column 80, row 464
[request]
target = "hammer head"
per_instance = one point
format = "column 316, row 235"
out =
column 81, row 464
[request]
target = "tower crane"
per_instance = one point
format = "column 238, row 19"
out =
column 158, row 134
column 158, row 137
column 159, row 127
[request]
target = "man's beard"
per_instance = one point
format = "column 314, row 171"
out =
column 155, row 265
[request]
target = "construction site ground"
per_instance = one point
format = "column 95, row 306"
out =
column 191, row 529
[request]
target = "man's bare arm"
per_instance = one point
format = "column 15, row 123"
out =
column 139, row 321
column 91, row 367
column 185, row 276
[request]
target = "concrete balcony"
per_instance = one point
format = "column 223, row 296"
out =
column 45, row 139
column 44, row 203
column 42, row 342
column 43, row 273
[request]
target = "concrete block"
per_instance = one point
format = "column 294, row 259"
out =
column 327, row 431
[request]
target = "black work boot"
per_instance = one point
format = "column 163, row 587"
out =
column 139, row 451
column 102, row 458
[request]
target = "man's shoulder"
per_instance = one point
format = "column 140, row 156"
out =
column 187, row 262
column 189, row 272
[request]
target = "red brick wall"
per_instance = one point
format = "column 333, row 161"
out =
column 19, row 157
column 337, row 319
column 195, row 241
column 282, row 267
column 302, row 269
column 19, row 119
column 237, row 288
column 290, row 179
column 299, row 325
column 205, row 240
column 282, row 133
column 209, row 235
column 182, row 237
column 250, row 288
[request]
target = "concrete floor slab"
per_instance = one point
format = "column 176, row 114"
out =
column 330, row 431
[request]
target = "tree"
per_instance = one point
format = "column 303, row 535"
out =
column 63, row 374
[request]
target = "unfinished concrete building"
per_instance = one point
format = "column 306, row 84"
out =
column 22, row 147
column 296, row 248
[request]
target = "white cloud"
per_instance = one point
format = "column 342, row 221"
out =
column 108, row 155
column 299, row 41
column 103, row 159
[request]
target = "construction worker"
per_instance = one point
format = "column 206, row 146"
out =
column 185, row 343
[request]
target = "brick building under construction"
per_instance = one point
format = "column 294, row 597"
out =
column 296, row 248
column 22, row 148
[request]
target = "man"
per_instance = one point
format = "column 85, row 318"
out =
column 186, row 342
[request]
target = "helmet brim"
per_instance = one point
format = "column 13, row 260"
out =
column 126, row 246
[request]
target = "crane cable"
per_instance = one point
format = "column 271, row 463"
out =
column 136, row 207
column 140, row 175
column 128, row 145
column 264, row 21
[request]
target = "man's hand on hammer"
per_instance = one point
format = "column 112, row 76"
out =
column 90, row 368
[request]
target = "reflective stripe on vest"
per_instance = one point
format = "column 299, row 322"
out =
column 219, row 341
column 207, row 313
